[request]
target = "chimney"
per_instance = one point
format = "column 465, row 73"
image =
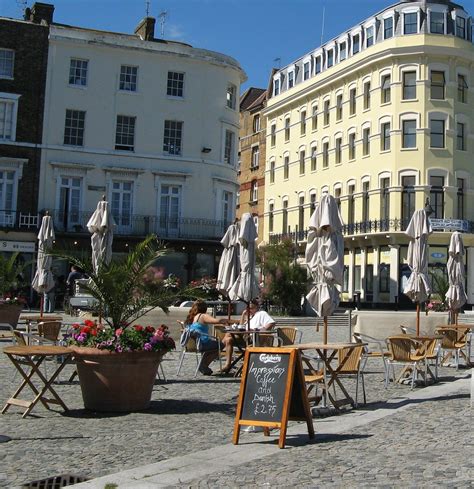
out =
column 40, row 13
column 146, row 29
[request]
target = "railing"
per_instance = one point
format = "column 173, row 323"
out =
column 17, row 220
column 380, row 226
column 142, row 225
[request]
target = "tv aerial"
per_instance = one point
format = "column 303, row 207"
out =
column 162, row 20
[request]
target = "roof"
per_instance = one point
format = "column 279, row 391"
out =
column 250, row 96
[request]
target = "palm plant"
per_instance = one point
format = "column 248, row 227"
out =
column 124, row 289
column 11, row 274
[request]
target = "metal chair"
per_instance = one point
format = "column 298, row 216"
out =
column 454, row 341
column 374, row 349
column 353, row 367
column 400, row 348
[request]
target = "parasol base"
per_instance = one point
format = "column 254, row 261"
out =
column 4, row 439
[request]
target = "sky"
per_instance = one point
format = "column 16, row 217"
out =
column 255, row 32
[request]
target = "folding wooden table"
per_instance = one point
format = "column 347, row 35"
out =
column 27, row 360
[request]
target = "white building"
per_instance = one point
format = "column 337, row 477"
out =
column 152, row 125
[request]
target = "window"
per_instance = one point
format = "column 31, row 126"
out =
column 437, row 85
column 7, row 62
column 437, row 197
column 337, row 197
column 461, row 185
column 366, row 95
column 78, row 72
column 284, row 222
column 339, row 107
column 227, row 210
column 462, row 89
column 170, row 207
column 74, row 127
column 388, row 28
column 121, row 205
column 461, row 27
column 352, row 147
column 365, row 201
column 287, row 129
column 303, row 122
column 384, row 199
column 325, row 155
column 352, row 101
column 291, row 79
column 330, row 58
column 409, row 134
column 256, row 123
column 286, row 167
column 345, row 279
column 437, row 133
column 386, row 91
column 461, row 136
column 237, row 200
column 385, row 136
column 314, row 118
column 301, row 214
column 410, row 23
column 272, row 171
column 70, row 193
column 409, row 85
column 366, row 141
column 231, row 96
column 306, row 70
column 270, row 217
column 7, row 116
column 351, row 205
column 276, row 87
column 273, row 135
column 408, row 198
column 317, row 65
column 254, row 191
column 125, row 133
column 175, row 85
column 326, row 113
column 313, row 158
column 172, row 141
column 356, row 44
column 128, row 78
column 7, row 197
column 384, row 277
column 338, row 150
column 342, row 51
column 302, row 162
column 436, row 22
column 369, row 36
column 312, row 204
column 228, row 146
column 255, row 157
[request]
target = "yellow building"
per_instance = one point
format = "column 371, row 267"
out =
column 381, row 117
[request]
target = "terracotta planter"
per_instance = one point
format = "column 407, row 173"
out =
column 10, row 313
column 116, row 382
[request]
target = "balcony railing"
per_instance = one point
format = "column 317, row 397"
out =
column 17, row 220
column 381, row 226
column 142, row 225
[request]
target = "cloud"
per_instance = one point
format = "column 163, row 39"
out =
column 173, row 31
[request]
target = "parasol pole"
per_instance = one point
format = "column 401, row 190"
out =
column 325, row 337
column 248, row 316
column 418, row 318
column 229, row 307
column 41, row 304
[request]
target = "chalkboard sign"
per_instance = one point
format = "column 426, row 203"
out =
column 272, row 391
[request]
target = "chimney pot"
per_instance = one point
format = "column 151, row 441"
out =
column 146, row 29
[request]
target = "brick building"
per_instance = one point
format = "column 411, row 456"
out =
column 252, row 156
column 23, row 65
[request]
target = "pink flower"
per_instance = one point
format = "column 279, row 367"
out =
column 147, row 347
column 118, row 332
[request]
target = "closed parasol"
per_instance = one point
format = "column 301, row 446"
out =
column 456, row 294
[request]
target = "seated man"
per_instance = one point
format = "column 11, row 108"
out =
column 259, row 320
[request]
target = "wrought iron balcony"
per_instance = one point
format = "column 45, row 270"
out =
column 11, row 220
column 142, row 225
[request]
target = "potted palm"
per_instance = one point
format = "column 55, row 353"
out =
column 117, row 361
column 11, row 279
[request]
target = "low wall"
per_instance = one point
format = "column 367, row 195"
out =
column 381, row 324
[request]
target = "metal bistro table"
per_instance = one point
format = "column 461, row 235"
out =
column 327, row 352
column 24, row 357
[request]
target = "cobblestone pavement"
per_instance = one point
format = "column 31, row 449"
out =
column 431, row 441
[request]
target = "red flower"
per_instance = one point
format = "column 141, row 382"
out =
column 93, row 332
column 138, row 327
column 88, row 322
column 86, row 330
column 76, row 326
column 150, row 329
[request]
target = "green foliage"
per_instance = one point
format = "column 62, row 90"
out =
column 124, row 289
column 439, row 283
column 285, row 281
column 11, row 274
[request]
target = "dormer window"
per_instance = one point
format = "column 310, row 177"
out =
column 460, row 27
column 342, row 51
column 317, row 65
column 276, row 87
column 437, row 22
column 291, row 79
column 410, row 23
column 370, row 36
column 356, row 44
column 330, row 58
column 306, row 70
column 388, row 28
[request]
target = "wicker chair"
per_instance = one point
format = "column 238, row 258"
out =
column 454, row 341
column 400, row 348
column 353, row 367
column 287, row 335
column 49, row 331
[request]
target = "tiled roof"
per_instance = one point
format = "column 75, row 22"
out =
column 250, row 96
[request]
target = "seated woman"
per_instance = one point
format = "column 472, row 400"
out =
column 198, row 322
column 259, row 320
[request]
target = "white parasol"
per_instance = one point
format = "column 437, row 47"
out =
column 229, row 263
column 325, row 257
column 456, row 294
column 101, row 225
column 418, row 287
column 43, row 280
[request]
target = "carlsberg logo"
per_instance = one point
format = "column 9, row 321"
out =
column 265, row 358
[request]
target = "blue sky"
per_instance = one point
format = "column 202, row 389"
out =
column 255, row 32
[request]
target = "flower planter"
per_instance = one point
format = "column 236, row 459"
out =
column 116, row 382
column 10, row 313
